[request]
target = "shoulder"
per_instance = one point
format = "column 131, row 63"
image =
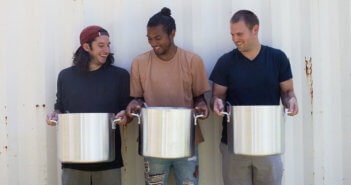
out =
column 117, row 70
column 188, row 54
column 142, row 57
column 228, row 57
column 274, row 52
column 67, row 72
column 189, row 57
column 71, row 69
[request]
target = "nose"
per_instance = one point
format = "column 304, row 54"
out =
column 234, row 38
column 107, row 49
column 152, row 43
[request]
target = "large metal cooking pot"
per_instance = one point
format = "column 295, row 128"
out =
column 255, row 130
column 167, row 132
column 86, row 137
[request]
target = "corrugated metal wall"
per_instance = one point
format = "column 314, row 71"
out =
column 38, row 38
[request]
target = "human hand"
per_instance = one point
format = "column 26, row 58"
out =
column 122, row 117
column 52, row 118
column 218, row 107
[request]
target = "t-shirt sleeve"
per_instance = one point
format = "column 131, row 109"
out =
column 125, row 91
column 219, row 74
column 200, row 83
column 284, row 68
column 136, row 89
column 59, row 101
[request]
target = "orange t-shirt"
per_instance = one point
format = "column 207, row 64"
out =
column 172, row 83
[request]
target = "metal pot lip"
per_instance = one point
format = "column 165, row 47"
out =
column 259, row 154
column 90, row 113
column 165, row 156
column 168, row 108
column 256, row 106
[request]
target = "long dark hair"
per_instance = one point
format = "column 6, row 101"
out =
column 81, row 59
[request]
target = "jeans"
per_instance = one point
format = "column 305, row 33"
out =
column 186, row 170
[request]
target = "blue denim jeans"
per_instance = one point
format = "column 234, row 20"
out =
column 186, row 170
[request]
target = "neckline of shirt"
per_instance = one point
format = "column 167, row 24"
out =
column 166, row 62
column 255, row 59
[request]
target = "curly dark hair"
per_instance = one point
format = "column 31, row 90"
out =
column 163, row 18
column 81, row 59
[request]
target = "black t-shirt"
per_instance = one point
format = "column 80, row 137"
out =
column 255, row 82
column 105, row 90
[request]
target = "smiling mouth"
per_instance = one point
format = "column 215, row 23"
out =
column 239, row 44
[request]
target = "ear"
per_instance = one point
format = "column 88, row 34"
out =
column 86, row 47
column 255, row 29
column 172, row 34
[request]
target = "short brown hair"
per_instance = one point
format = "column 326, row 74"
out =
column 247, row 16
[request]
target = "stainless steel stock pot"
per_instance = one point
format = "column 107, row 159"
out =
column 255, row 130
column 167, row 132
column 86, row 137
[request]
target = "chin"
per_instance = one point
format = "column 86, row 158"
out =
column 160, row 52
column 102, row 62
column 157, row 53
column 242, row 49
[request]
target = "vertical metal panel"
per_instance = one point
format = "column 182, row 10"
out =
column 39, row 37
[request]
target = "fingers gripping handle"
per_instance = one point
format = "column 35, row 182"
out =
column 136, row 115
column 115, row 122
column 286, row 112
column 54, row 121
column 228, row 116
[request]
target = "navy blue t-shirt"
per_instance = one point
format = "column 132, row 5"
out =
column 251, row 82
column 105, row 90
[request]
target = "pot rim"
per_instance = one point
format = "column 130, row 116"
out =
column 169, row 108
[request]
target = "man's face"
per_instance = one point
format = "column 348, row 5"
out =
column 159, row 40
column 242, row 36
column 100, row 49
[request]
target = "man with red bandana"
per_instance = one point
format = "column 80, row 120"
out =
column 93, row 85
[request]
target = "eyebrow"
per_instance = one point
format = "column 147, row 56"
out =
column 104, row 43
column 155, row 36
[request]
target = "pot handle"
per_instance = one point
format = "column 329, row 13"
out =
column 286, row 112
column 54, row 121
column 229, row 105
column 115, row 122
column 228, row 116
column 136, row 115
column 196, row 117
